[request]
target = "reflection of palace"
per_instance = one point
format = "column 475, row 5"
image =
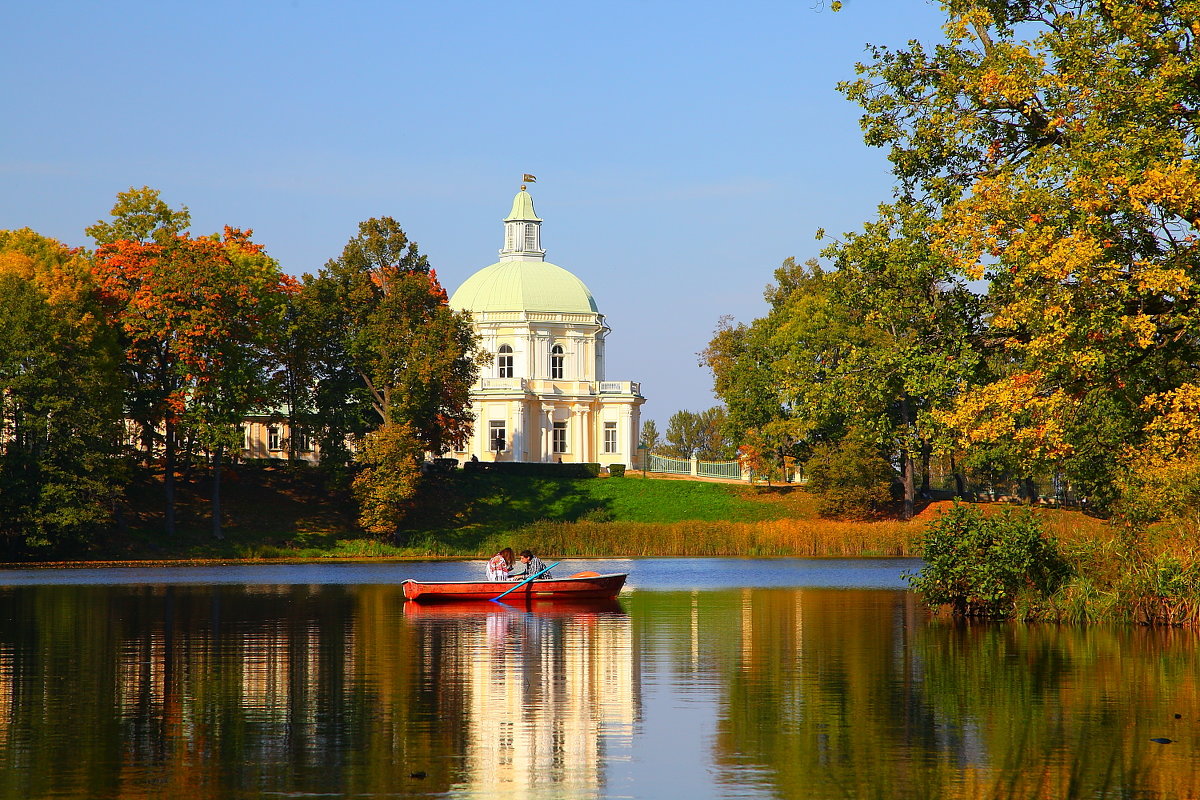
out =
column 544, row 692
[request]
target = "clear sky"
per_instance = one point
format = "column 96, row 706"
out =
column 682, row 149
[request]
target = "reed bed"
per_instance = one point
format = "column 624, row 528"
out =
column 781, row 537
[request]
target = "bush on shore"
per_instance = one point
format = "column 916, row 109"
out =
column 1004, row 566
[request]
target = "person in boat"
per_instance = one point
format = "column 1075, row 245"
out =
column 532, row 565
column 499, row 568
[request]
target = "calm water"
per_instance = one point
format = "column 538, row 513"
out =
column 706, row 679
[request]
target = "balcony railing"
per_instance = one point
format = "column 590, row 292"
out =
column 502, row 384
column 546, row 386
column 620, row 387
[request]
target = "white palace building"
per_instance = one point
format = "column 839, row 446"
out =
column 544, row 395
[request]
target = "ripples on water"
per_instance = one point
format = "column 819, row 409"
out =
column 706, row 679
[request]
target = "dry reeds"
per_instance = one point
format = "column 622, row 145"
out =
column 783, row 537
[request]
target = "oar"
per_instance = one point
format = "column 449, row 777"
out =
column 527, row 580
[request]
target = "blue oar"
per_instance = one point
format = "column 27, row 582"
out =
column 527, row 580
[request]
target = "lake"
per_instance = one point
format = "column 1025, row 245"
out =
column 707, row 678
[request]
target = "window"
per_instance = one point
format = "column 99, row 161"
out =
column 497, row 440
column 610, row 437
column 556, row 362
column 559, row 438
column 531, row 236
column 504, row 362
column 245, row 437
column 273, row 438
column 304, row 442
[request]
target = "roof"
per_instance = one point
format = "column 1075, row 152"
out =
column 524, row 286
column 522, row 208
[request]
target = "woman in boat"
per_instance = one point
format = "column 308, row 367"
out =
column 500, row 567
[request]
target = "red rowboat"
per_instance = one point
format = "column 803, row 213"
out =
column 581, row 586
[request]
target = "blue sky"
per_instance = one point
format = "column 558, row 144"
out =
column 682, row 149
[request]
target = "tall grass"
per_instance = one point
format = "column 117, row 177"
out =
column 780, row 537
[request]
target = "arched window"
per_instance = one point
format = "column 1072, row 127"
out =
column 556, row 362
column 504, row 362
column 531, row 236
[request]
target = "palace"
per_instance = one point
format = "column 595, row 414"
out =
column 544, row 395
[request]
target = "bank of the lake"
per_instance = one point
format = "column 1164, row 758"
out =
column 273, row 512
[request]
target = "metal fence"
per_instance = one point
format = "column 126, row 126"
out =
column 693, row 466
column 674, row 466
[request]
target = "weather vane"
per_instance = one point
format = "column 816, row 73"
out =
column 527, row 178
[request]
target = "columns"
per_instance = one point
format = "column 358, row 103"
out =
column 518, row 432
column 548, row 434
column 579, row 432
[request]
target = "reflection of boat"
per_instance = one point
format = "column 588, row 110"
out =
column 541, row 607
column 583, row 586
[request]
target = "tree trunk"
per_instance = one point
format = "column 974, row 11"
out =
column 216, row 492
column 1031, row 491
column 960, row 483
column 169, row 473
column 926, row 454
column 906, row 476
column 906, row 463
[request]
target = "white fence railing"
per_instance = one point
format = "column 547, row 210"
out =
column 692, row 466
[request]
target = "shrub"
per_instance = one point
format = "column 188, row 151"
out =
column 851, row 479
column 616, row 470
column 979, row 565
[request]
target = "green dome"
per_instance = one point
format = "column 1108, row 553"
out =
column 524, row 286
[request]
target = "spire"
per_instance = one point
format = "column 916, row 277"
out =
column 522, row 231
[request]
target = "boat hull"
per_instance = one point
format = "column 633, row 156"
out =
column 590, row 587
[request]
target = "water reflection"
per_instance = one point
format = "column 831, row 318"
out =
column 346, row 690
column 543, row 691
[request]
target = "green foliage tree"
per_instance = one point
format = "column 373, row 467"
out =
column 699, row 434
column 978, row 564
column 391, row 355
column 390, row 329
column 650, row 437
column 61, row 469
column 140, row 215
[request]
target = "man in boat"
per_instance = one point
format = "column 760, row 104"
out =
column 532, row 566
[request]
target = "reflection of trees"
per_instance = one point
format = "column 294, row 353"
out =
column 1068, row 711
column 225, row 691
column 831, row 693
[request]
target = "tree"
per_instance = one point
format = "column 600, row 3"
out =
column 414, row 358
column 387, row 482
column 397, row 357
column 1057, row 140
column 139, row 215
column 194, row 314
column 60, row 398
column 650, row 436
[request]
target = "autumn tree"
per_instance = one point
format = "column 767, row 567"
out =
column 399, row 355
column 194, row 314
column 1057, row 142
column 60, row 399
